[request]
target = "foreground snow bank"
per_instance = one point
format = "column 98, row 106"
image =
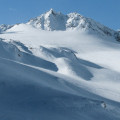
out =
column 63, row 75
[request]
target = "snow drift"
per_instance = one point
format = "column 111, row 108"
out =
column 57, row 66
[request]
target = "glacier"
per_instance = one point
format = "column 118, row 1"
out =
column 59, row 67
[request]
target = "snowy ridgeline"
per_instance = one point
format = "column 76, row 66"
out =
column 4, row 27
column 52, row 68
column 52, row 21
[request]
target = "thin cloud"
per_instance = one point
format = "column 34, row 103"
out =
column 12, row 9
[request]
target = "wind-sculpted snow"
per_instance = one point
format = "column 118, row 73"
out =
column 59, row 67
column 31, row 93
column 10, row 51
column 67, row 62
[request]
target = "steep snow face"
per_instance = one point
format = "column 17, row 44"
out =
column 18, row 52
column 4, row 27
column 56, row 21
column 52, row 20
column 49, row 21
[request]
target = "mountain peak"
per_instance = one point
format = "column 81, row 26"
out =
column 52, row 12
column 52, row 20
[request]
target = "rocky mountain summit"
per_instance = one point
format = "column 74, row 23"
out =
column 56, row 21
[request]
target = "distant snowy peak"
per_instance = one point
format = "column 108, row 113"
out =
column 4, row 27
column 56, row 21
column 52, row 20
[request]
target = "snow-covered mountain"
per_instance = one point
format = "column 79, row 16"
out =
column 4, row 27
column 59, row 67
column 52, row 20
column 56, row 21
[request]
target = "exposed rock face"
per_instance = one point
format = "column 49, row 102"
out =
column 117, row 35
column 4, row 27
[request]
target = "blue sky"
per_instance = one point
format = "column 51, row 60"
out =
column 106, row 12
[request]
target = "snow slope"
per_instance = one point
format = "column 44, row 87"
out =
column 50, row 70
column 52, row 20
